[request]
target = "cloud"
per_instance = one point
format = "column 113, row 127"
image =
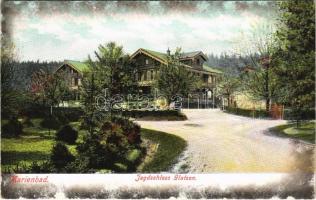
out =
column 74, row 36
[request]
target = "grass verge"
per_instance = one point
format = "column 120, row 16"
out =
column 306, row 131
column 169, row 149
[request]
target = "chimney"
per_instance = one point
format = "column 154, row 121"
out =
column 168, row 52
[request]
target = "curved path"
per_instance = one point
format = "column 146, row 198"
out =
column 221, row 142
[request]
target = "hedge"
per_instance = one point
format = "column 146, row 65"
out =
column 248, row 113
column 288, row 114
column 155, row 115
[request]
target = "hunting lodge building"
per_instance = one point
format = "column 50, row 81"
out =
column 147, row 63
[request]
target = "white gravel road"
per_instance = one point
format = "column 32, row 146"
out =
column 221, row 142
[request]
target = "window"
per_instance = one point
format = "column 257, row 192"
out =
column 139, row 76
column 145, row 75
column 146, row 61
column 76, row 81
column 151, row 75
column 198, row 61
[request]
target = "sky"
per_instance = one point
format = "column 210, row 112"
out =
column 49, row 31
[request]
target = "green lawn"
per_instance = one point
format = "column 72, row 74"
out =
column 306, row 131
column 169, row 149
column 34, row 145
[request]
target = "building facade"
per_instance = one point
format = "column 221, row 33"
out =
column 73, row 74
column 148, row 63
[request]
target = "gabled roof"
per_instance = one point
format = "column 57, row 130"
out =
column 162, row 57
column 81, row 67
column 193, row 54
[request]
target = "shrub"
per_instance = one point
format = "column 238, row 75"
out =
column 13, row 128
column 60, row 156
column 130, row 129
column 111, row 145
column 51, row 122
column 79, row 165
column 67, row 134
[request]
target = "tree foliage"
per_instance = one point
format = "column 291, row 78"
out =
column 228, row 85
column 295, row 55
column 12, row 98
column 259, row 83
column 111, row 73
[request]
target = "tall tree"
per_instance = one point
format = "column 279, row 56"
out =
column 228, row 85
column 112, row 73
column 258, row 47
column 295, row 55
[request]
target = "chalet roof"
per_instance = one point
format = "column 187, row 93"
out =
column 79, row 66
column 162, row 57
column 193, row 54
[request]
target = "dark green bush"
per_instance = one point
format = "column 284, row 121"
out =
column 155, row 114
column 61, row 156
column 67, row 134
column 13, row 128
column 292, row 114
column 79, row 165
column 51, row 122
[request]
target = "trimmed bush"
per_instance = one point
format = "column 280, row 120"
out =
column 61, row 156
column 67, row 134
column 13, row 128
column 51, row 122
column 169, row 115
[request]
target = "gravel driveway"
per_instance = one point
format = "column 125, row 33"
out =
column 221, row 142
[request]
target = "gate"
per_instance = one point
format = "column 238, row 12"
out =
column 277, row 111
